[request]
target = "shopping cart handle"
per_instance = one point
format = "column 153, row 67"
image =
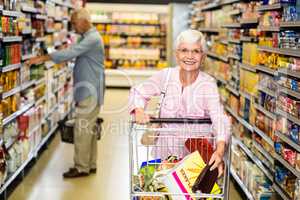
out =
column 181, row 120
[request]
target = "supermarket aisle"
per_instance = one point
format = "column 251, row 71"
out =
column 111, row 182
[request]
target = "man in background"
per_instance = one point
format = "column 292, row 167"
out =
column 88, row 90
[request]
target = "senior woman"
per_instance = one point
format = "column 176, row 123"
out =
column 188, row 92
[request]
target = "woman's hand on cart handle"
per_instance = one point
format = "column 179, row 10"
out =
column 216, row 159
column 140, row 116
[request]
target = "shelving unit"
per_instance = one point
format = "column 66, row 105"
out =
column 26, row 83
column 134, row 41
column 239, row 68
column 253, row 158
column 240, row 182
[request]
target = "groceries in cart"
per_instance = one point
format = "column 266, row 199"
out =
column 174, row 175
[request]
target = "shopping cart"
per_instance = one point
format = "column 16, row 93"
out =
column 167, row 140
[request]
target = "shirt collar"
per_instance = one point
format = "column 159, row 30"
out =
column 89, row 31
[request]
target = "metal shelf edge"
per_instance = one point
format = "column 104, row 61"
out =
column 240, row 182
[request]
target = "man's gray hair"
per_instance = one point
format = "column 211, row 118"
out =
column 191, row 36
column 82, row 13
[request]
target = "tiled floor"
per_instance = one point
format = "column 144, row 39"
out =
column 45, row 180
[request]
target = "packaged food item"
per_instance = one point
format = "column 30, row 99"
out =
column 182, row 177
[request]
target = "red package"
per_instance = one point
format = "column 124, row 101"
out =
column 290, row 156
column 202, row 145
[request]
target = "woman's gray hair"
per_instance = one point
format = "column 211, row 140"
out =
column 82, row 13
column 191, row 36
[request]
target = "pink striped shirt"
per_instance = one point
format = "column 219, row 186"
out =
column 198, row 100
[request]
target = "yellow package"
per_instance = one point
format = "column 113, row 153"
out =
column 183, row 176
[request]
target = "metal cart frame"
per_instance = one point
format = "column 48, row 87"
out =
column 135, row 133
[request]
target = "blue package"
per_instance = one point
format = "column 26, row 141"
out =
column 156, row 161
column 278, row 147
column 280, row 174
column 294, row 134
column 294, row 85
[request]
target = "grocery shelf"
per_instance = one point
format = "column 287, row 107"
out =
column 236, row 57
column 31, row 155
column 11, row 141
column 58, row 19
column 268, row 28
column 51, row 111
column 49, row 64
column 40, row 81
column 263, row 135
column 265, row 111
column 288, row 52
column 226, row 2
column 233, row 113
column 134, row 34
column 16, row 114
column 44, row 140
column 40, row 39
column 232, row 25
column 241, row 184
column 28, row 8
column 214, row 55
column 50, row 30
column 16, row 173
column 289, row 92
column 235, row 12
column 249, row 21
column 232, row 90
column 248, row 67
column 125, row 23
column 248, row 39
column 12, row 67
column 41, row 17
column 287, row 165
column 253, row 157
column 12, row 39
column 40, row 100
column 58, row 89
column 224, row 42
column 199, row 19
column 287, row 140
column 127, row 77
column 288, row 116
column 245, row 124
column 10, row 13
column 280, row 192
column 28, row 56
column 266, row 154
column 266, row 70
column 34, row 129
column 266, row 90
column 209, row 30
column 210, row 6
column 222, row 80
column 235, row 41
column 276, row 6
column 11, row 92
column 289, row 72
column 245, row 95
column 290, row 24
column 26, row 32
column 28, row 84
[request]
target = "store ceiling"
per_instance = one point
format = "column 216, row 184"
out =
column 142, row 1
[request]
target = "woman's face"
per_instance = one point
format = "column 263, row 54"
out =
column 189, row 56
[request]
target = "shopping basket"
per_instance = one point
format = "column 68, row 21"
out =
column 170, row 165
column 66, row 128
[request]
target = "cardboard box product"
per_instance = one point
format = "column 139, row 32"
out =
column 182, row 177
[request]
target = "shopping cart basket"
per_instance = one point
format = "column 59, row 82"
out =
column 172, row 144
